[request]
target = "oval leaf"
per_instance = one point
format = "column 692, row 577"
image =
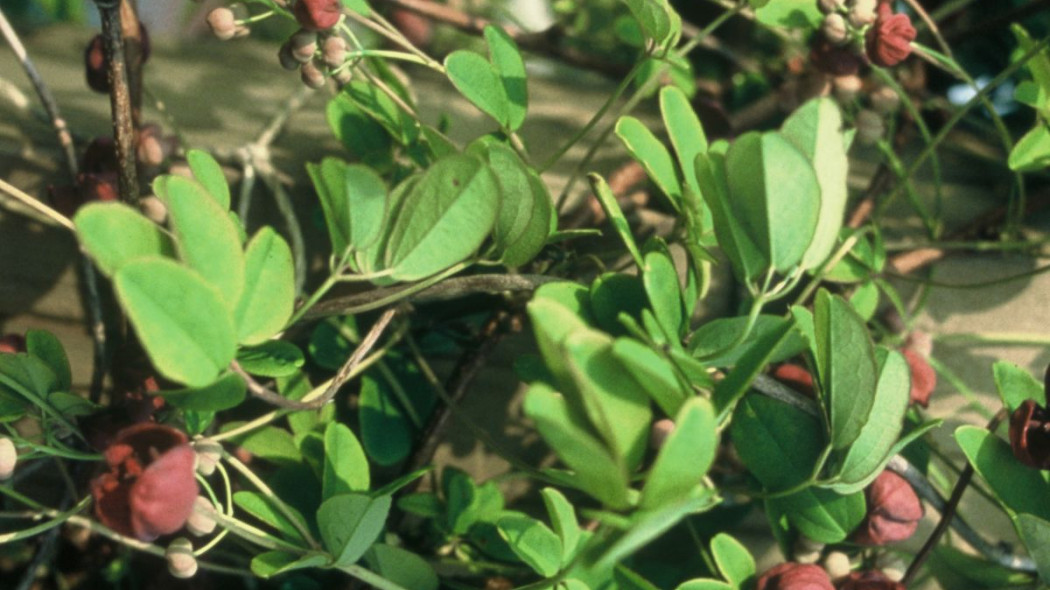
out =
column 685, row 457
column 476, row 79
column 114, row 233
column 208, row 172
column 269, row 288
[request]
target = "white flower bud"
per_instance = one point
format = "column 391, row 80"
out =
column 334, row 51
column 862, row 13
column 181, row 561
column 837, row 565
column 343, row 76
column 311, row 75
column 870, row 127
column 847, row 87
column 209, row 453
column 830, row 6
column 885, row 100
column 835, row 29
column 223, row 23
column 304, row 46
column 202, row 520
column 8, row 457
column 807, row 550
column 154, row 209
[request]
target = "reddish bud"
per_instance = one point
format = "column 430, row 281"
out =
column 149, row 489
column 317, row 15
column 1030, row 435
column 794, row 576
column 889, row 39
column 333, row 51
column 95, row 65
column 869, row 580
column 303, row 46
column 796, row 378
column 894, row 511
column 12, row 343
column 923, row 377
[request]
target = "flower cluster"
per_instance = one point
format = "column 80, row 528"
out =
column 854, row 32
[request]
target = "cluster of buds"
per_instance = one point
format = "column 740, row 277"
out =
column 181, row 562
column 855, row 31
column 316, row 54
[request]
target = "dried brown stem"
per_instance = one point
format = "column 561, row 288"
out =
column 120, row 99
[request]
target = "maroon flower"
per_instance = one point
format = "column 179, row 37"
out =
column 923, row 377
column 317, row 15
column 889, row 39
column 794, row 576
column 1030, row 435
column 12, row 343
column 894, row 511
column 869, row 580
column 149, row 488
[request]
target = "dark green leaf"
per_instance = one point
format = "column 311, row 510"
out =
column 846, row 367
column 350, row 524
column 823, row 515
column 1017, row 486
column 615, row 214
column 1035, row 532
column 345, row 465
column 262, row 508
column 273, row 358
column 563, row 518
column 718, row 334
column 747, row 260
column 271, row 563
column 653, row 372
column 751, row 363
column 401, row 567
column 778, row 443
column 360, row 134
column 46, row 347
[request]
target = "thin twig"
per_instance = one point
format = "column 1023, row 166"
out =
column 41, row 212
column 345, row 372
column 120, row 99
column 948, row 514
column 932, row 26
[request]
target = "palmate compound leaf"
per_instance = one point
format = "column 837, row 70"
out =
column 182, row 321
column 443, row 219
column 114, row 233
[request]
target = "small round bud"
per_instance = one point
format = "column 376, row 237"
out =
column 223, row 23
column 837, row 565
column 885, row 100
column 343, row 77
column 847, row 87
column 870, row 127
column 284, row 55
column 154, row 209
column 8, row 457
column 209, row 453
column 181, row 561
column 862, row 13
column 311, row 75
column 807, row 550
column 202, row 521
column 304, row 46
column 830, row 6
column 659, row 432
column 835, row 29
column 334, row 51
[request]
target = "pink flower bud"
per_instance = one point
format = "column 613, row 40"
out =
column 12, row 343
column 794, row 576
column 223, row 23
column 317, row 15
column 923, row 377
column 835, row 29
column 334, row 51
column 894, row 511
column 303, row 45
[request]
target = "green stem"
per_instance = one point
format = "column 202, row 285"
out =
column 369, row 577
column 280, row 504
column 314, row 298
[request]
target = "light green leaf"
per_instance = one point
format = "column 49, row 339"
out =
column 206, row 239
column 665, row 292
column 345, row 465
column 686, row 132
column 1031, row 153
column 476, row 79
column 778, row 443
column 615, row 214
column 270, row 443
column 1035, row 532
column 208, row 172
column 525, row 210
column 712, row 340
column 360, row 7
column 180, row 319
column 226, row 392
column 747, row 260
column 792, row 14
column 354, row 200
column 350, row 524
column 532, row 542
column 846, row 366
column 656, row 17
column 269, row 288
column 114, row 233
column 271, row 563
column 774, row 194
column 506, row 59
column 262, row 508
column 653, row 372
column 557, row 310
column 1017, row 486
column 444, row 218
column 563, row 518
column 652, row 155
column 733, row 559
column 685, row 457
column 1016, row 385
column 705, row 584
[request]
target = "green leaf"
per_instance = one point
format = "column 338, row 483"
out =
column 271, row 563
column 354, row 199
column 1017, row 486
column 823, row 515
column 423, row 504
column 686, row 132
column 477, row 80
column 1035, row 532
column 617, row 406
column 404, row 568
column 444, row 218
column 846, row 367
column 954, row 568
column 816, row 129
column 273, row 358
column 792, row 14
column 386, row 432
column 506, row 59
column 350, row 524
column 206, row 239
column 596, row 471
column 269, row 288
column 774, row 195
column 345, row 465
column 382, row 109
column 563, row 518
column 525, row 211
column 868, row 454
column 705, row 584
column 717, row 335
column 733, row 559
column 751, row 363
column 263, row 509
column 1016, row 385
column 208, row 172
column 745, row 257
column 269, row 443
column 778, row 443
column 557, row 310
column 1031, row 153
column 360, row 7
column 180, row 319
column 665, row 292
column 461, row 499
column 615, row 214
column 533, row 542
column 685, row 457
column 114, row 234
column 653, row 372
column 46, row 347
column 656, row 17
column 865, row 300
column 362, row 135
column 652, row 155
column 226, row 392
